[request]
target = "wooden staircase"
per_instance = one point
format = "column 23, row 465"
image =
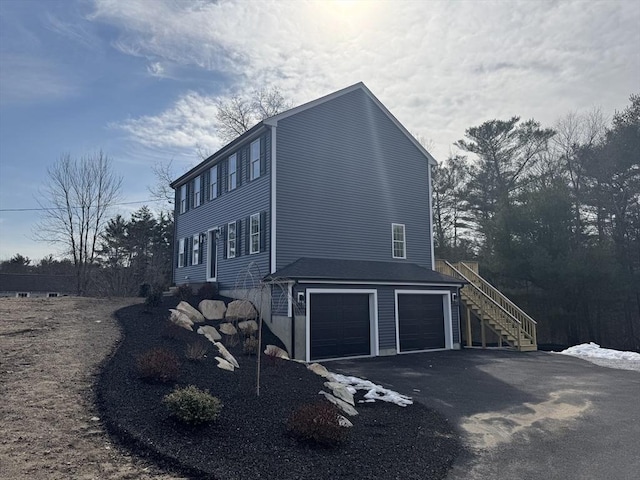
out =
column 493, row 309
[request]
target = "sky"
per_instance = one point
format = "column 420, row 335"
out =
column 139, row 79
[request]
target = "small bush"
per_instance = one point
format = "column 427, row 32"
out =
column 193, row 406
column 250, row 346
column 197, row 350
column 158, row 365
column 208, row 291
column 174, row 332
column 144, row 290
column 184, row 293
column 154, row 299
column 317, row 423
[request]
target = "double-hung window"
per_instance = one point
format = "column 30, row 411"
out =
column 183, row 198
column 231, row 240
column 255, row 159
column 181, row 251
column 195, row 250
column 254, row 241
column 399, row 240
column 213, row 182
column 196, row 192
column 233, row 171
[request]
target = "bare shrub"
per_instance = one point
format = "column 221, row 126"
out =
column 197, row 350
column 158, row 365
column 250, row 346
column 317, row 423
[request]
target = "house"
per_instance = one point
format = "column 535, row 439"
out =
column 322, row 216
column 25, row 285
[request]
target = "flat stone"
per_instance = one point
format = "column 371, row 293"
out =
column 344, row 422
column 340, row 391
column 212, row 309
column 224, row 365
column 227, row 356
column 228, row 329
column 276, row 352
column 210, row 333
column 248, row 327
column 320, row 370
column 341, row 404
column 243, row 309
column 192, row 313
column 181, row 319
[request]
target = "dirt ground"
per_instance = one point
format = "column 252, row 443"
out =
column 50, row 350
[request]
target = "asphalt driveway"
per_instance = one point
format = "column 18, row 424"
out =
column 534, row 415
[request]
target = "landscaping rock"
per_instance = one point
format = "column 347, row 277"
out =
column 224, row 365
column 181, row 319
column 341, row 391
column 212, row 309
column 248, row 327
column 276, row 352
column 228, row 329
column 320, row 370
column 225, row 353
column 210, row 333
column 192, row 313
column 243, row 309
column 344, row 422
column 341, row 404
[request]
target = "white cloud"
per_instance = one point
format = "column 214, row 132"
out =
column 440, row 67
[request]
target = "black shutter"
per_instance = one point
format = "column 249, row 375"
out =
column 224, row 168
column 263, row 231
column 205, row 186
column 201, row 253
column 263, row 155
column 187, row 200
column 238, row 238
column 223, row 232
column 239, row 168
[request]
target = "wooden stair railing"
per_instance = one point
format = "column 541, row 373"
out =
column 493, row 309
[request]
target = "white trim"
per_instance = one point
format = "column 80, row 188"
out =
column 235, row 172
column 211, row 234
column 433, row 259
column 373, row 317
column 251, row 234
column 195, row 241
column 272, row 220
column 290, row 299
column 252, row 160
column 366, row 282
column 273, row 121
column 446, row 310
column 181, row 251
column 235, row 239
column 404, row 241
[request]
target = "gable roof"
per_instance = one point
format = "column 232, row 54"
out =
column 273, row 121
column 360, row 270
column 35, row 282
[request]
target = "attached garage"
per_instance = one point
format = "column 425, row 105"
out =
column 341, row 323
column 422, row 320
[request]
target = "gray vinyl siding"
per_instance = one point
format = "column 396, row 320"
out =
column 345, row 173
column 279, row 300
column 387, row 308
column 248, row 198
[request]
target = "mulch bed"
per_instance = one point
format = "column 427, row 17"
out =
column 249, row 439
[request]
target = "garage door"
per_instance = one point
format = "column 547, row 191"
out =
column 340, row 325
column 420, row 322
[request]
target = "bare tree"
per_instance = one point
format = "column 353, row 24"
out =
column 241, row 112
column 75, row 201
column 162, row 190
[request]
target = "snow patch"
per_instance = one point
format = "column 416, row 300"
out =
column 605, row 357
column 374, row 392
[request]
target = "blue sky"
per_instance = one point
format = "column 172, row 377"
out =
column 139, row 78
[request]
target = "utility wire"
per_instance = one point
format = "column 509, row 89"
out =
column 52, row 208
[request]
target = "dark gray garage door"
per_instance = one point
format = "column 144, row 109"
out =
column 420, row 322
column 340, row 325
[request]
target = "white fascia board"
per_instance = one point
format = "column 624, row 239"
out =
column 272, row 245
column 365, row 282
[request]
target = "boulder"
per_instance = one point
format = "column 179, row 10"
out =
column 248, row 327
column 320, row 370
column 344, row 422
column 210, row 333
column 224, row 365
column 228, row 329
column 243, row 309
column 212, row 309
column 192, row 313
column 276, row 352
column 227, row 356
column 181, row 319
column 341, row 391
column 341, row 404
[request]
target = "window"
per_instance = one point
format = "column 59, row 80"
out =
column 233, row 171
column 255, row 159
column 399, row 243
column 52, row 295
column 195, row 250
column 181, row 251
column 196, row 192
column 255, row 234
column 183, row 198
column 213, row 182
column 231, row 240
column 22, row 294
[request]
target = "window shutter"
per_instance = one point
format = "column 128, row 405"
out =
column 205, row 186
column 223, row 232
column 263, row 231
column 224, row 181
column 187, row 200
column 239, row 168
column 177, row 203
column 220, row 182
column 202, row 238
column 263, row 155
column 238, row 238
